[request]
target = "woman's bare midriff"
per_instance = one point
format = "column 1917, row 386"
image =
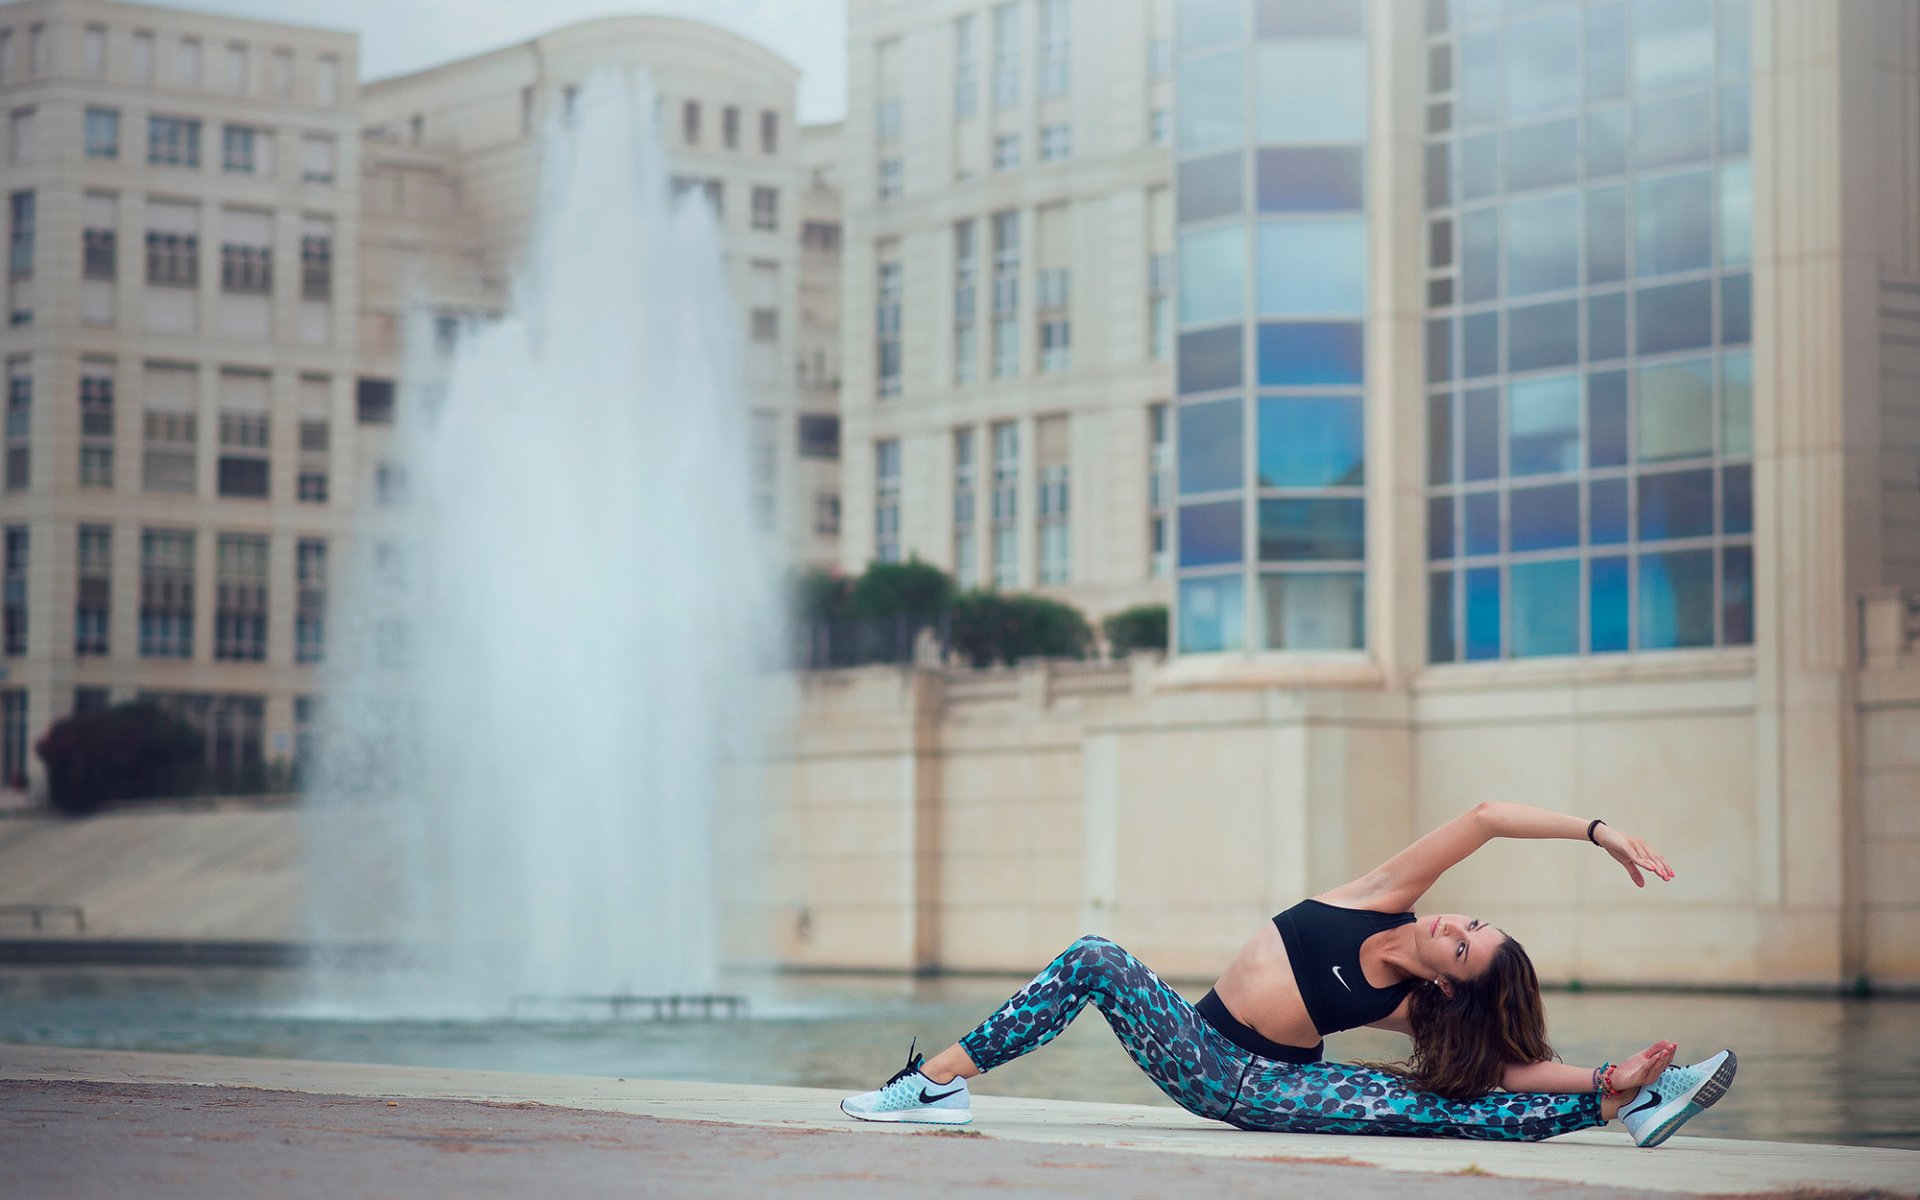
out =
column 1259, row 990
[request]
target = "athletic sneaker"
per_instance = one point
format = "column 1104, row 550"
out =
column 1680, row 1093
column 911, row 1097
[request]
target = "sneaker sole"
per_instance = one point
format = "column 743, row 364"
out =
column 909, row 1116
column 1705, row 1097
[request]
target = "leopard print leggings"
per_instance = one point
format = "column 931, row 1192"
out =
column 1209, row 1076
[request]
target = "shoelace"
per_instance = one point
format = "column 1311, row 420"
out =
column 913, row 1065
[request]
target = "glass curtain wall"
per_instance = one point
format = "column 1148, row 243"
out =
column 1271, row 295
column 1589, row 371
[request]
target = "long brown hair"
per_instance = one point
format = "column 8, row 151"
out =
column 1463, row 1043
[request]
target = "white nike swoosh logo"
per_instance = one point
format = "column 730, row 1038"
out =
column 1343, row 982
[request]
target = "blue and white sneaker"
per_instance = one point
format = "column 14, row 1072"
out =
column 911, row 1097
column 1680, row 1094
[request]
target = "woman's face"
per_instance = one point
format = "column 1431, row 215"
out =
column 1455, row 947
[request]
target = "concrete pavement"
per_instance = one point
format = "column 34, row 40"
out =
column 101, row 1120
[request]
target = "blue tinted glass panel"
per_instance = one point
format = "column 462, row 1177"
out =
column 1212, row 614
column 1543, row 65
column 1676, row 599
column 1606, row 418
column 1736, row 214
column 1607, row 512
column 1606, row 235
column 1606, row 46
column 1310, row 179
column 1479, row 166
column 1440, row 438
column 1543, row 244
column 1606, row 326
column 1483, row 523
column 1210, row 360
column 1213, row 276
column 1736, row 309
column 1676, row 505
column 1672, row 44
column 1440, row 617
column 1673, row 217
column 1479, row 82
column 1480, row 255
column 1543, row 335
column 1607, row 627
column 1544, row 518
column 1210, row 446
column 1311, row 441
column 1434, row 166
column 1606, row 142
column 1211, row 99
column 1312, row 267
column 1670, row 132
column 1678, row 316
column 1483, row 613
column 1312, row 530
column 1543, row 425
column 1543, row 155
column 1736, row 38
column 1440, row 350
column 1313, row 611
column 1546, row 607
column 1736, row 132
column 1480, row 430
column 1311, row 354
column 1210, row 534
column 1206, row 23
column 1736, row 499
column 1323, row 18
column 1314, row 91
column 1440, row 527
column 1675, row 410
column 1736, row 403
column 1480, row 344
column 1736, row 596
column 1210, row 187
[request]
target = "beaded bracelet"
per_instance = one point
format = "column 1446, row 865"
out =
column 1603, row 1079
column 1606, row 1081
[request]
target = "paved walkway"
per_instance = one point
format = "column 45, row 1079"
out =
column 84, row 1123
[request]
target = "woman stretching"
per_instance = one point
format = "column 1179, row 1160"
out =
column 1249, row 1053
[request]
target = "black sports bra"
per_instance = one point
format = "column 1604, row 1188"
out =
column 1323, row 944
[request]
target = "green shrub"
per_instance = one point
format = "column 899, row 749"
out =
column 128, row 752
column 817, row 595
column 911, row 588
column 1142, row 627
column 989, row 628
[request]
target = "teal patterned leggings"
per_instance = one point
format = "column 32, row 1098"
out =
column 1209, row 1076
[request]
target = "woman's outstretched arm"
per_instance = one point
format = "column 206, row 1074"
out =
column 1399, row 882
column 1628, row 1074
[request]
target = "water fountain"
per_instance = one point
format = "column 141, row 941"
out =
column 547, row 649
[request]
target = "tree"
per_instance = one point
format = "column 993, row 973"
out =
column 128, row 752
column 1142, row 627
column 911, row 588
column 989, row 628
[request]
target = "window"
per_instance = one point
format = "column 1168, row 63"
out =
column 240, row 598
column 173, row 142
column 103, row 133
column 769, row 132
column 764, row 324
column 826, row 514
column 1160, row 58
column 238, row 150
column 13, row 738
column 1006, row 55
column 1006, row 294
column 246, row 270
column 243, row 467
column 316, row 266
column 1055, row 532
column 173, row 259
column 730, row 127
column 820, row 235
column 766, row 210
column 187, row 65
column 1159, row 126
column 316, row 158
column 283, row 73
column 92, row 606
column 966, row 71
column 712, row 190
column 690, row 122
column 15, row 584
column 389, row 484
column 1159, row 306
column 373, row 400
column 1006, row 151
column 1006, row 504
column 19, row 466
column 886, row 120
column 142, row 57
column 966, row 301
column 1055, row 48
column 93, row 51
column 166, row 593
column 20, row 209
column 1052, row 298
column 892, row 176
column 819, row 436
column 886, row 501
column 239, row 67
column 764, row 467
column 171, row 444
column 966, row 484
column 310, row 600
column 1159, row 492
column 887, row 329
column 1056, row 143
column 326, row 81
column 314, row 438
column 96, row 425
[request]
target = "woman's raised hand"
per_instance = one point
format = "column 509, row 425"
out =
column 1633, row 854
column 1644, row 1067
